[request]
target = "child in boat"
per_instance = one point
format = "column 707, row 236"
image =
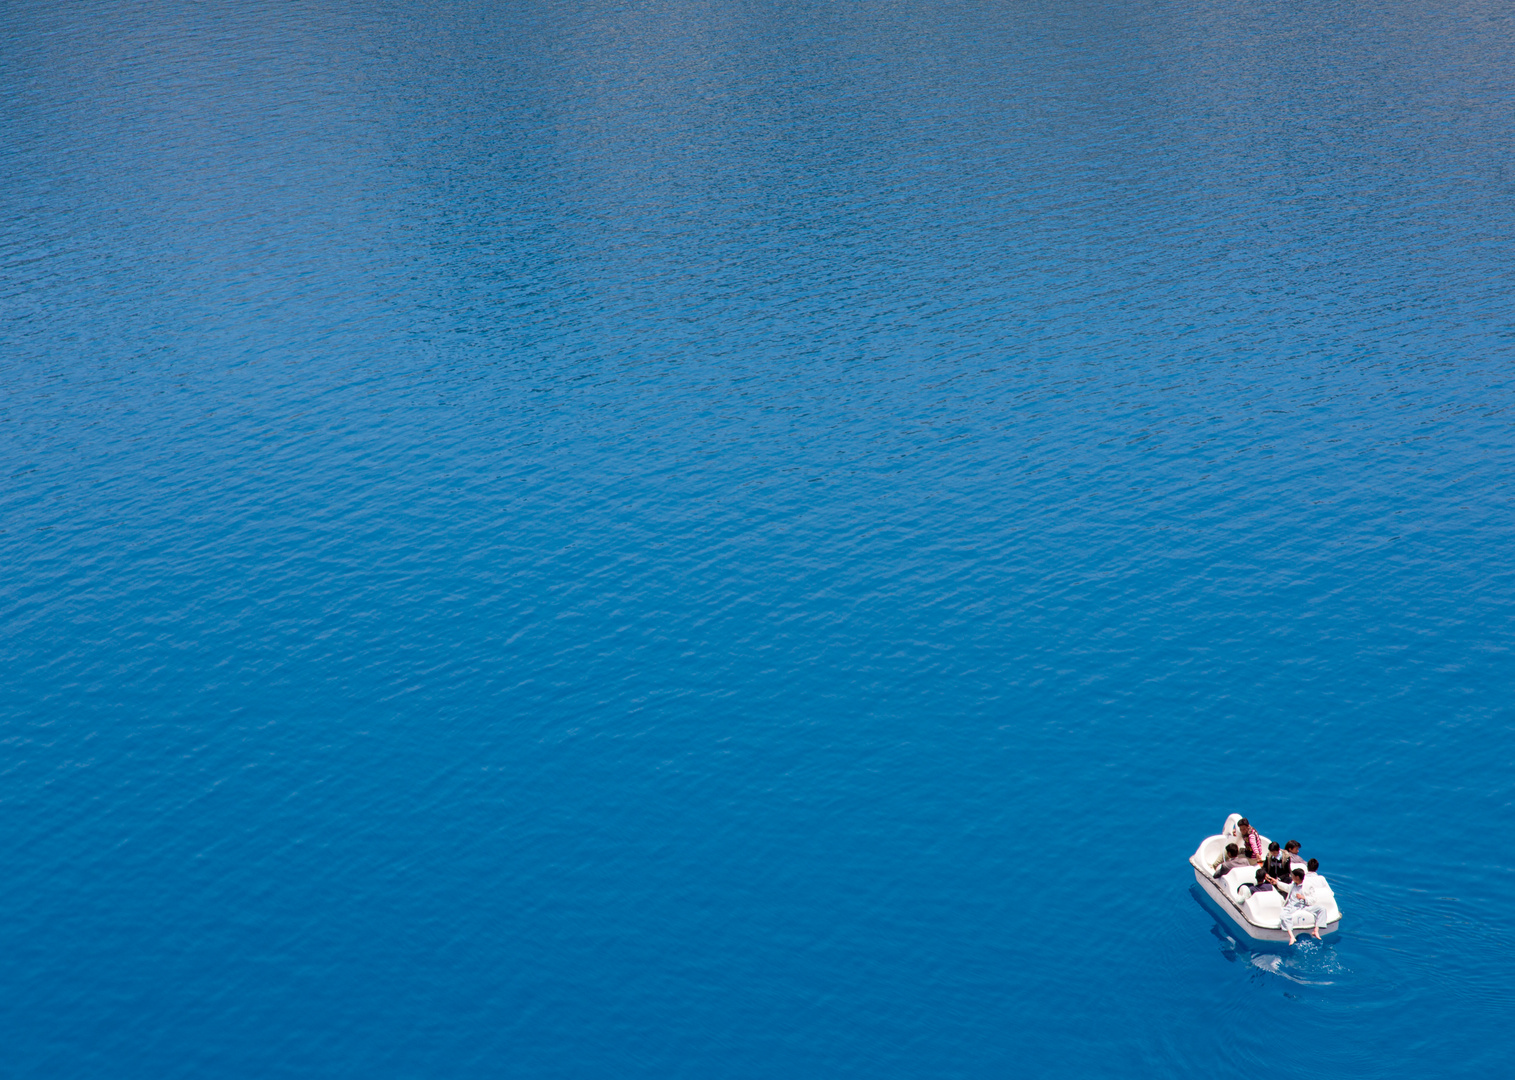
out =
column 1263, row 884
column 1251, row 841
column 1315, row 883
column 1276, row 864
column 1232, row 860
column 1300, row 908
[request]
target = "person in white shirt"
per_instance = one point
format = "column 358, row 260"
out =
column 1300, row 908
column 1317, row 887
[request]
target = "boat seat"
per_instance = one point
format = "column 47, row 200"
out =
column 1264, row 908
column 1235, row 879
column 1327, row 899
column 1212, row 850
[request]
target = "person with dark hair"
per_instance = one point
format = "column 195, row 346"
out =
column 1291, row 850
column 1313, row 879
column 1263, row 884
column 1232, row 860
column 1251, row 843
column 1300, row 909
column 1276, row 864
column 1318, row 888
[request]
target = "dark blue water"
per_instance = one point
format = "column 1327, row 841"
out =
column 751, row 539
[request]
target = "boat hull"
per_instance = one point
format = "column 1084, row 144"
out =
column 1231, row 917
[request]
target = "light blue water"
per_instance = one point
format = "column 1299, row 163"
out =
column 751, row 539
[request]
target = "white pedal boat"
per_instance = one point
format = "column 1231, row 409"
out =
column 1255, row 916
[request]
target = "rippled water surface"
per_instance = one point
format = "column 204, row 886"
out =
column 751, row 539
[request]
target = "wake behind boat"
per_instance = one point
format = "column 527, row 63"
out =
column 1258, row 913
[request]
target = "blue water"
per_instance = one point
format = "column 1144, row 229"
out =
column 751, row 539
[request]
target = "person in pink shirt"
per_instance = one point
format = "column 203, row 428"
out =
column 1251, row 843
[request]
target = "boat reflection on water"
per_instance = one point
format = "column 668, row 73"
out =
column 1301, row 964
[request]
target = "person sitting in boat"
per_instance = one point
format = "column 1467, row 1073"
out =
column 1317, row 886
column 1263, row 884
column 1232, row 860
column 1300, row 908
column 1291, row 850
column 1251, row 842
column 1277, row 865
